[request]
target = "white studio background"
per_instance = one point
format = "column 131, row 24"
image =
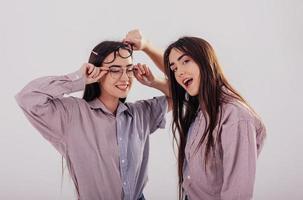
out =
column 259, row 44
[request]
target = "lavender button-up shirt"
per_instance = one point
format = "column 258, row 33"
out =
column 106, row 155
column 230, row 172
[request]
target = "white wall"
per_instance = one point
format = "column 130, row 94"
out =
column 259, row 44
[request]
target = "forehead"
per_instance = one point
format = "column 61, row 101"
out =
column 174, row 55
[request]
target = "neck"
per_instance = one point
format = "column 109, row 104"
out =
column 110, row 102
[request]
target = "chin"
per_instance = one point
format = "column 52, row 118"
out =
column 191, row 93
column 122, row 95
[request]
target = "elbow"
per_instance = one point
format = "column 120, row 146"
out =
column 19, row 99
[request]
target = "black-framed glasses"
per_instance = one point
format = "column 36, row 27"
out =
column 117, row 71
column 122, row 51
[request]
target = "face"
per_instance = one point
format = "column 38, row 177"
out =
column 118, row 81
column 186, row 71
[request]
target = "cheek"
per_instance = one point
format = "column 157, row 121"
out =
column 106, row 82
column 131, row 81
column 198, row 76
column 179, row 81
column 196, row 72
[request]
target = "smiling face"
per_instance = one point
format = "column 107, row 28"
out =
column 118, row 81
column 186, row 71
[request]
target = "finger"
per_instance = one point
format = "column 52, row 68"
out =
column 104, row 68
column 146, row 70
column 125, row 41
column 90, row 68
column 93, row 72
column 137, row 68
column 91, row 75
column 101, row 74
column 96, row 72
column 130, row 44
column 142, row 69
column 138, row 77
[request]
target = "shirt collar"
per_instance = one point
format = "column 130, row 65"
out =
column 97, row 104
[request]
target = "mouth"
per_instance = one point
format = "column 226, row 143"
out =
column 187, row 82
column 122, row 87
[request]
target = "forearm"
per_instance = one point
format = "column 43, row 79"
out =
column 155, row 54
column 39, row 91
column 162, row 85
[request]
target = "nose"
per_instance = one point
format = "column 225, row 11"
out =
column 180, row 71
column 124, row 76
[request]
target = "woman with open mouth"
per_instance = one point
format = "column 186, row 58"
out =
column 218, row 135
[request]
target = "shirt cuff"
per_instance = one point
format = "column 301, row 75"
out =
column 78, row 81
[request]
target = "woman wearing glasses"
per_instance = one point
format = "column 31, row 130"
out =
column 104, row 140
column 219, row 135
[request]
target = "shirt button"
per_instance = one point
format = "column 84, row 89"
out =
column 120, row 139
column 124, row 183
column 122, row 161
column 188, row 177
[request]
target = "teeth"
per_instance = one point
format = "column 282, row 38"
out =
column 185, row 80
column 122, row 86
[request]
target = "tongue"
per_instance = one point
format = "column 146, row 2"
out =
column 189, row 82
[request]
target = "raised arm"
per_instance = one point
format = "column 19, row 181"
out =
column 135, row 38
column 45, row 107
column 144, row 75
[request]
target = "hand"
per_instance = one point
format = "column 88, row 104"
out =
column 135, row 38
column 144, row 75
column 92, row 73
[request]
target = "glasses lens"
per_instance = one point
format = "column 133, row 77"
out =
column 130, row 73
column 123, row 52
column 117, row 72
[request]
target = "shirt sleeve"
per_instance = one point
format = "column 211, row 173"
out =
column 239, row 160
column 45, row 107
column 152, row 112
column 261, row 136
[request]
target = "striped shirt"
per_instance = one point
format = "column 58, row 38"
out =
column 230, row 172
column 106, row 155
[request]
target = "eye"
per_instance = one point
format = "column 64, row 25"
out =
column 130, row 71
column 173, row 68
column 115, row 69
column 185, row 61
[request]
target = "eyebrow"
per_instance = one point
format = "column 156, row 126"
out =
column 129, row 65
column 170, row 64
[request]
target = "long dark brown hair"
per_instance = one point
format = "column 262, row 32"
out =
column 214, row 90
column 93, row 90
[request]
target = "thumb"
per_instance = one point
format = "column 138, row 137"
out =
column 101, row 74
